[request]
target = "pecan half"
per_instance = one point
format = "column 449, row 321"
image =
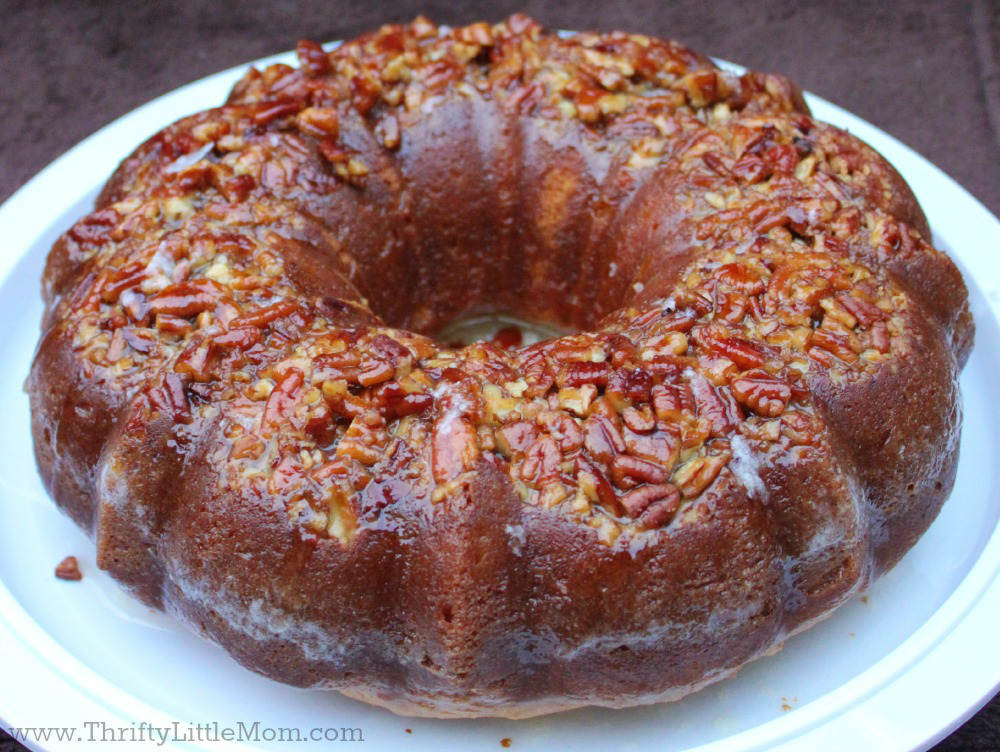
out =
column 762, row 393
column 628, row 471
column 638, row 500
column 602, row 439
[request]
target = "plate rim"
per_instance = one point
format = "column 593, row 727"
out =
column 842, row 713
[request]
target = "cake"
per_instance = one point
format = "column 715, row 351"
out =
column 754, row 413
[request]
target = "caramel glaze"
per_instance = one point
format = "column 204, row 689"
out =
column 236, row 395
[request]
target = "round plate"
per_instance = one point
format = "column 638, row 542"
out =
column 895, row 669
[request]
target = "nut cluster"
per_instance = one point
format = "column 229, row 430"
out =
column 190, row 309
column 617, row 81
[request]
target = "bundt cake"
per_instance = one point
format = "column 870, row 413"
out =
column 755, row 411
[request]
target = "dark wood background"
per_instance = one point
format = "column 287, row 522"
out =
column 926, row 72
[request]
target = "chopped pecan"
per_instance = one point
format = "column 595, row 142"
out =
column 312, row 58
column 880, row 337
column 342, row 402
column 261, row 317
column 247, row 447
column 702, row 87
column 577, row 351
column 239, row 338
column 186, row 299
column 139, row 340
column 541, row 462
column 577, row 400
column 622, row 350
column 194, row 361
column 440, row 73
column 236, row 189
column 799, row 427
column 606, row 408
column 116, row 348
column 271, row 111
column 695, row 475
column 563, row 429
column 661, row 446
column 171, row 398
column 715, row 163
column 454, row 447
column 96, row 227
column 731, row 308
column 596, row 486
column 478, row 33
column 318, row 121
column 365, row 439
column 839, row 345
column 678, row 321
column 364, row 93
column 741, row 351
column 515, row 438
column 784, row 157
column 751, row 169
column 125, row 279
column 69, row 569
column 388, row 133
column 374, row 371
column 866, row 313
column 394, row 400
column 630, row 385
column 537, row 373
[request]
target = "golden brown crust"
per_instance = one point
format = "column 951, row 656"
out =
column 759, row 414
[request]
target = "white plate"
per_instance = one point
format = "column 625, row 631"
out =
column 895, row 670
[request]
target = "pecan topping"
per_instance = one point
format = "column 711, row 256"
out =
column 616, row 429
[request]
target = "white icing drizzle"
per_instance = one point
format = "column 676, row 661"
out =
column 746, row 467
column 187, row 160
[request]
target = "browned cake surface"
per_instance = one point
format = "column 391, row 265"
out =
column 237, row 391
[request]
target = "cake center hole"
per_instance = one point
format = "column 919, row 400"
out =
column 501, row 329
